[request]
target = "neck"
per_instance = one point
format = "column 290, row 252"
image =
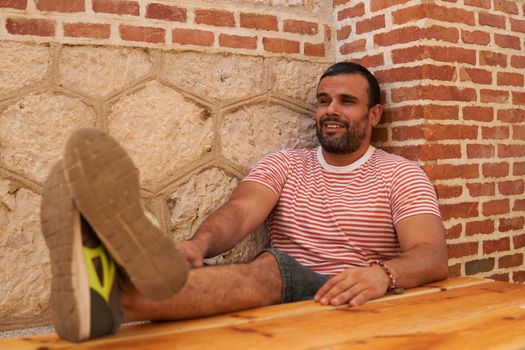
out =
column 336, row 159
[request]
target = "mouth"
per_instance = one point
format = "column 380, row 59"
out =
column 332, row 125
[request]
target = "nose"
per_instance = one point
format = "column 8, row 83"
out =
column 333, row 108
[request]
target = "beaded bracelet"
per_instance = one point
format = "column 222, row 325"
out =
column 391, row 280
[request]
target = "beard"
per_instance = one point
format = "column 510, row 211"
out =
column 349, row 141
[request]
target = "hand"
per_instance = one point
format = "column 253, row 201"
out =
column 354, row 286
column 192, row 252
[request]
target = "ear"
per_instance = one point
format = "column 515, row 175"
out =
column 375, row 113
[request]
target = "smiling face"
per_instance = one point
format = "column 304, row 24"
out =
column 344, row 119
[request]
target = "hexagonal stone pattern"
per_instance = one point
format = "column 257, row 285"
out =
column 21, row 64
column 194, row 200
column 222, row 77
column 161, row 130
column 33, row 131
column 99, row 71
column 25, row 278
column 295, row 79
column 253, row 131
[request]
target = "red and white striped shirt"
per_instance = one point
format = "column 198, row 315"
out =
column 332, row 218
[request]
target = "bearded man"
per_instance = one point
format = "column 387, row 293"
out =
column 347, row 223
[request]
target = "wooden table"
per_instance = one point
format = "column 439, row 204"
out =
column 460, row 313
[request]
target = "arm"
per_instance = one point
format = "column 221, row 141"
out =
column 423, row 259
column 247, row 208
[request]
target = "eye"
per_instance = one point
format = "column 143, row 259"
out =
column 347, row 101
column 323, row 101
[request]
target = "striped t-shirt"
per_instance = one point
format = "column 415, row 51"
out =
column 331, row 218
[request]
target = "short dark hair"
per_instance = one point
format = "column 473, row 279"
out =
column 374, row 91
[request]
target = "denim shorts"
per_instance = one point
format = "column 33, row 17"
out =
column 299, row 282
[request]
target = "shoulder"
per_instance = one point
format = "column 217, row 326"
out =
column 395, row 166
column 291, row 155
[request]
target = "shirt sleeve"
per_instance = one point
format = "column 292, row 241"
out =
column 271, row 171
column 412, row 193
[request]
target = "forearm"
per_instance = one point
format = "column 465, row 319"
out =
column 221, row 231
column 421, row 264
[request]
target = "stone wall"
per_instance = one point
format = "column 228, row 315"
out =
column 193, row 117
column 453, row 79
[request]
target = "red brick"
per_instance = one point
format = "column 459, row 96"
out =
column 314, row 50
column 146, row 34
column 350, row 12
column 192, row 37
column 30, row 26
column 398, row 36
column 257, row 21
column 459, row 250
column 506, row 6
column 433, row 92
column 518, row 98
column 478, row 3
column 444, row 54
column 280, row 45
column 495, row 132
column 491, row 20
column 117, row 7
column 475, row 75
column 506, row 225
column 497, row 245
column 426, row 71
column 518, row 168
column 475, row 37
column 370, row 61
column 495, row 169
column 60, row 5
column 369, row 25
column 517, row 61
column 517, row 25
column 490, row 58
column 416, row 112
column 502, row 277
column 377, row 5
column 454, row 270
column 495, row 96
column 339, row 2
column 518, row 132
column 484, row 227
column 218, row 18
column 475, row 267
column 441, row 33
column 14, row 4
column 344, row 32
column 481, row 189
column 510, row 79
column 496, row 207
column 300, row 27
column 238, row 42
column 87, row 30
column 453, row 232
column 518, row 276
column 433, row 11
column 505, row 151
column 482, row 114
column 518, row 241
column 508, row 188
column 449, row 171
column 519, row 205
column 354, row 46
column 480, row 151
column 507, row 41
column 510, row 260
column 166, row 12
column 514, row 115
column 426, row 152
column 434, row 132
column 459, row 210
column 445, row 191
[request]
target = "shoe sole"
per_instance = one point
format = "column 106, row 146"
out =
column 60, row 221
column 105, row 186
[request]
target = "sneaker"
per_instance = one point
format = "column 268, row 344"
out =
column 104, row 184
column 85, row 293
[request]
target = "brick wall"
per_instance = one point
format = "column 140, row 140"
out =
column 301, row 28
column 453, row 79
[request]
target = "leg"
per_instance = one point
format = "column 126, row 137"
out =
column 213, row 290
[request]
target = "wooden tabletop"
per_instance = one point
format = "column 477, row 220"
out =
column 459, row 313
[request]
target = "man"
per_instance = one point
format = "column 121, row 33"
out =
column 347, row 223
